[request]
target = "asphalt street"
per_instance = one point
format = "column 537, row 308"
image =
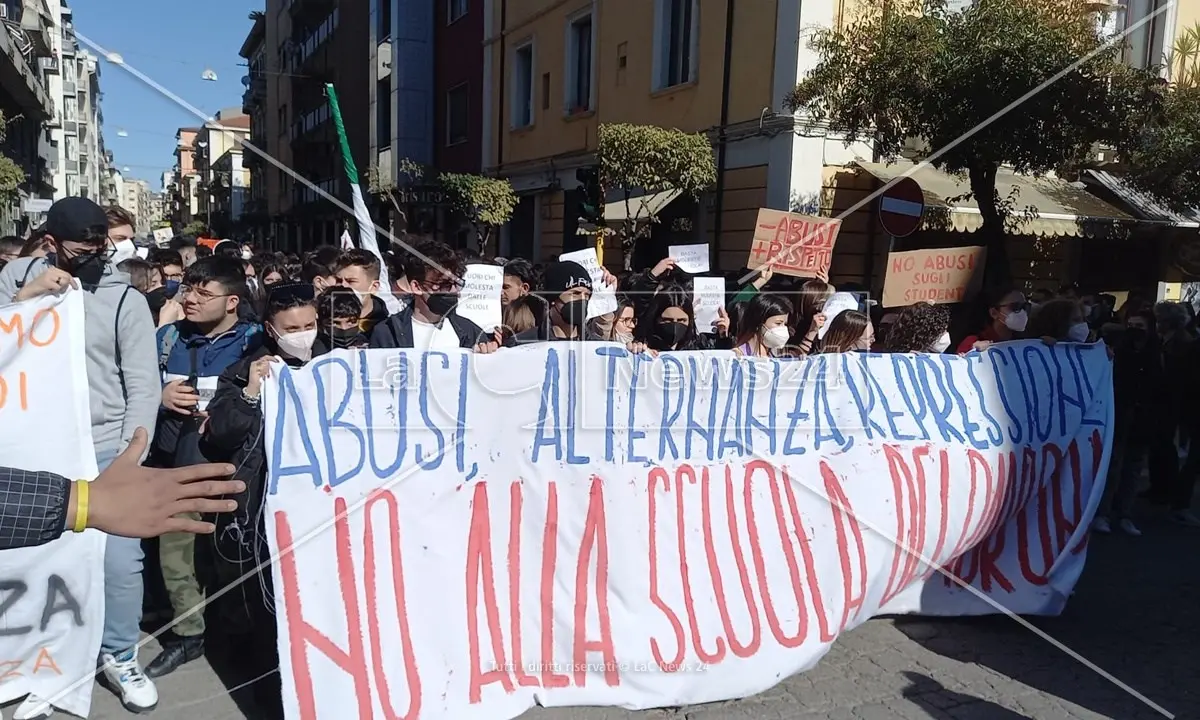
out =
column 1135, row 613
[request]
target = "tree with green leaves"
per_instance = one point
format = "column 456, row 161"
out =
column 197, row 228
column 637, row 160
column 12, row 176
column 1029, row 84
column 486, row 202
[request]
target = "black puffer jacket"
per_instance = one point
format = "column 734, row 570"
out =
column 235, row 434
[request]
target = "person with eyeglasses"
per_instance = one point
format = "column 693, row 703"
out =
column 123, row 389
column 1008, row 316
column 193, row 353
column 434, row 273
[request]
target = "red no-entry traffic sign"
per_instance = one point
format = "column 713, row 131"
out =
column 901, row 207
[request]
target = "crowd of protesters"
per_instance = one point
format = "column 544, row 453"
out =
column 182, row 339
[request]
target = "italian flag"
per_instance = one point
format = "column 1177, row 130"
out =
column 366, row 226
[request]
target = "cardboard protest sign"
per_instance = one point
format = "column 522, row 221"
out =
column 793, row 244
column 945, row 275
column 604, row 298
column 569, row 524
column 479, row 300
column 690, row 258
column 53, row 604
column 162, row 236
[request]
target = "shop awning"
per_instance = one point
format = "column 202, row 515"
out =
column 1062, row 208
column 639, row 208
column 1142, row 205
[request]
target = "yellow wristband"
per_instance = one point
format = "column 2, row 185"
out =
column 81, row 505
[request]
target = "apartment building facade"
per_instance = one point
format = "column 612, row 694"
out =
column 256, row 217
column 27, row 61
column 214, row 143
column 723, row 67
column 306, row 44
column 137, row 198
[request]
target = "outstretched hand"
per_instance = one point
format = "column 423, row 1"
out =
column 138, row 502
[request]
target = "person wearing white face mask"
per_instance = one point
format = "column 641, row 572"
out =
column 919, row 328
column 120, row 234
column 763, row 328
column 1008, row 316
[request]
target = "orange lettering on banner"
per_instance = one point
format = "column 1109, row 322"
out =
column 910, row 540
column 14, row 325
column 594, row 535
column 789, row 554
column 45, row 659
column 38, row 324
column 676, row 663
column 302, row 634
column 411, row 674
column 810, row 565
column 524, row 679
column 550, row 679
column 843, row 515
column 479, row 566
column 8, row 669
column 686, row 471
column 738, row 648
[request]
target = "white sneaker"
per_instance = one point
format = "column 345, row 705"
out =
column 1129, row 528
column 33, row 708
column 1100, row 525
column 1186, row 518
column 125, row 678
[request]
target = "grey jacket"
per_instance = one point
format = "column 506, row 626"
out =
column 125, row 398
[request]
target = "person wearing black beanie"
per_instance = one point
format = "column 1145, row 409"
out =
column 566, row 288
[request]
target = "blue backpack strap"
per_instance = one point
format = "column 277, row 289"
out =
column 169, row 338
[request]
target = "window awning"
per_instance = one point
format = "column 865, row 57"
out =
column 1062, row 208
column 1142, row 205
column 640, row 208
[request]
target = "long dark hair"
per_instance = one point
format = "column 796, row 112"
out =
column 755, row 314
column 845, row 330
column 672, row 296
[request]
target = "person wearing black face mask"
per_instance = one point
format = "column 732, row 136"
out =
column 670, row 324
column 340, row 312
column 567, row 289
column 434, row 272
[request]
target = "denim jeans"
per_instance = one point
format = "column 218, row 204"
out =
column 122, row 586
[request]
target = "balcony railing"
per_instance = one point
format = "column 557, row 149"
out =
column 311, row 121
column 309, row 45
column 49, row 64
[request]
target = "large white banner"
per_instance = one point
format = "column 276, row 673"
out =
column 51, row 597
column 464, row 536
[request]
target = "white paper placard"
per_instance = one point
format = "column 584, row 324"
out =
column 54, row 605
column 708, row 296
column 162, row 236
column 690, row 258
column 479, row 300
column 604, row 298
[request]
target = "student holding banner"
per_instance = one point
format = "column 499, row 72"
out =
column 123, row 388
column 434, row 275
column 670, row 324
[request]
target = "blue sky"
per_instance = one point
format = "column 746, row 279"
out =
column 173, row 42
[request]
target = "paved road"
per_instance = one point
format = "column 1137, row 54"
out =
column 1136, row 613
